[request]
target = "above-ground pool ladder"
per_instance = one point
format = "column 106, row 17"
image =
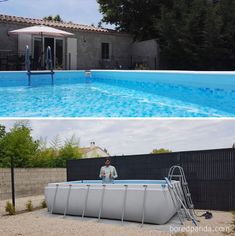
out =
column 101, row 202
column 181, row 199
column 49, row 65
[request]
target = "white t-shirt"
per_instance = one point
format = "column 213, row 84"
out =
column 107, row 170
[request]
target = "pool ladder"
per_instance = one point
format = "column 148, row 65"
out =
column 181, row 197
column 49, row 65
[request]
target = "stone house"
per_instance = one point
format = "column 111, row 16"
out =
column 90, row 48
column 94, row 151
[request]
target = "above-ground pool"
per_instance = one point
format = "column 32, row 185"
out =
column 131, row 200
column 118, row 94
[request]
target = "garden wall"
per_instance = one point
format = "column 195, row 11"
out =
column 28, row 182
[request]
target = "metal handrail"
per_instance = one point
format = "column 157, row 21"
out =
column 27, row 58
column 49, row 65
column 49, row 62
column 171, row 188
column 184, row 184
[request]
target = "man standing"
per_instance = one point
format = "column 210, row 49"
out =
column 108, row 173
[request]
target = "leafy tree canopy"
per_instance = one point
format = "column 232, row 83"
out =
column 192, row 34
column 160, row 151
column 53, row 18
column 19, row 145
column 2, row 131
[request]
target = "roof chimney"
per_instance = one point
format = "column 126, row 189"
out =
column 92, row 144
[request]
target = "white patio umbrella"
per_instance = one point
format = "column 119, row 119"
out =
column 41, row 30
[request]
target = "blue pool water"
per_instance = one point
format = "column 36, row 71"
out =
column 118, row 94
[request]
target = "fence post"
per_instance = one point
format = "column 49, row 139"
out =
column 12, row 182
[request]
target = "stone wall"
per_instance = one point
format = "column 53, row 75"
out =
column 28, row 182
column 146, row 52
column 89, row 50
column 8, row 43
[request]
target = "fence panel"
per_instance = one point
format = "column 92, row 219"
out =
column 210, row 174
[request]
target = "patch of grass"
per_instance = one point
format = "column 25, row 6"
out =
column 29, row 205
column 44, row 204
column 10, row 209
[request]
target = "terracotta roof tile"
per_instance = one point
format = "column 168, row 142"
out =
column 65, row 25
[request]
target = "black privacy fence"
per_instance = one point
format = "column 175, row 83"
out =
column 210, row 174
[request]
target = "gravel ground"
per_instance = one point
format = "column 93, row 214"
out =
column 40, row 222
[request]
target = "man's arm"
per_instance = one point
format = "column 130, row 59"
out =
column 115, row 175
column 101, row 173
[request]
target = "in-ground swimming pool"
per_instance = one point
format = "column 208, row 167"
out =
column 118, row 94
column 146, row 201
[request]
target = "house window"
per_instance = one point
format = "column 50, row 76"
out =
column 105, row 51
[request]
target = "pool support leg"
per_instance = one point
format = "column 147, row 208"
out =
column 144, row 201
column 54, row 200
column 101, row 202
column 86, row 200
column 67, row 202
column 124, row 203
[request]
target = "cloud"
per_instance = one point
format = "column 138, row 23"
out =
column 139, row 136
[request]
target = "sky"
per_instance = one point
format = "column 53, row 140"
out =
column 77, row 11
column 126, row 137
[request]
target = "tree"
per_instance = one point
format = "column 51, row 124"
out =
column 192, row 34
column 19, row 145
column 161, row 151
column 219, row 36
column 56, row 143
column 70, row 150
column 180, row 34
column 2, row 135
column 67, row 152
column 133, row 16
column 49, row 18
column 56, row 18
column 2, row 131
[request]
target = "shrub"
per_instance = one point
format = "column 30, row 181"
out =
column 44, row 204
column 10, row 209
column 29, row 205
